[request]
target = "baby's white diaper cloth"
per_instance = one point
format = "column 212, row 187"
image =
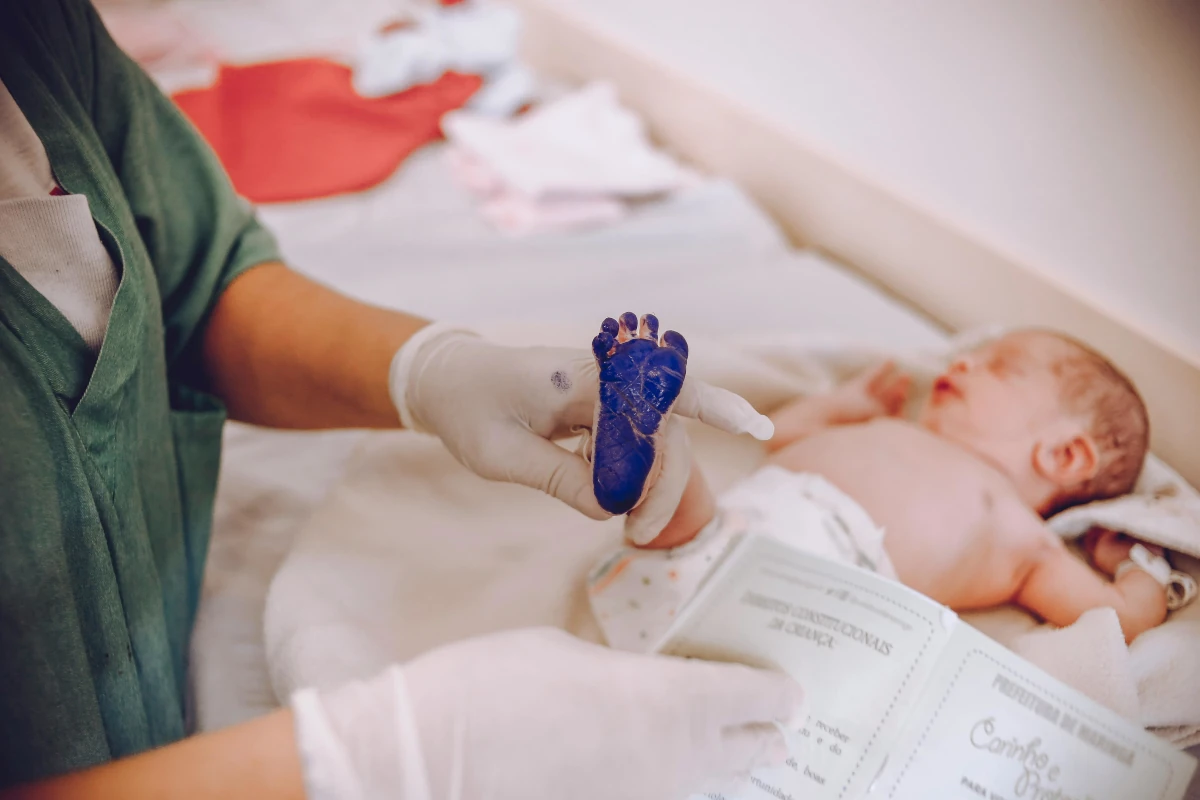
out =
column 636, row 594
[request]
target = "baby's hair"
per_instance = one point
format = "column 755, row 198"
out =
column 1120, row 427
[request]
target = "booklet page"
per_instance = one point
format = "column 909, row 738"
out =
column 991, row 725
column 861, row 646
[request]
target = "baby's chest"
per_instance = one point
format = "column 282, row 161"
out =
column 914, row 484
column 947, row 513
column 935, row 508
column 923, row 481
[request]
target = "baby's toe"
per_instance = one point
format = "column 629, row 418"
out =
column 648, row 328
column 603, row 344
column 629, row 323
column 675, row 341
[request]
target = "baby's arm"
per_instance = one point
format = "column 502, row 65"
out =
column 875, row 393
column 1060, row 587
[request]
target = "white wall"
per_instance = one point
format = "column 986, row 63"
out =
column 1065, row 133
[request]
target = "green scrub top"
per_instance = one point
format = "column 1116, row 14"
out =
column 108, row 463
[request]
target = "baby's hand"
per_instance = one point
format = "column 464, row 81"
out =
column 1108, row 549
column 878, row 392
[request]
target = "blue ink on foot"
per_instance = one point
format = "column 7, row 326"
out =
column 639, row 383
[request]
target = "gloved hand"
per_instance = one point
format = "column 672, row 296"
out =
column 540, row 714
column 497, row 408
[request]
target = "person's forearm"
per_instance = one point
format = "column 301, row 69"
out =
column 1060, row 588
column 1138, row 599
column 284, row 351
column 256, row 760
column 800, row 419
column 1140, row 603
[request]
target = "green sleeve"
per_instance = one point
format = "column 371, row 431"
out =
column 199, row 233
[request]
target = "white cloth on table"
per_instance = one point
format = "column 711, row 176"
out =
column 477, row 38
column 516, row 214
column 579, row 160
column 584, row 143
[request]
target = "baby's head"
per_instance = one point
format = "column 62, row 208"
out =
column 1053, row 414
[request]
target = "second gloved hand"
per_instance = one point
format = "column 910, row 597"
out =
column 540, row 714
column 498, row 408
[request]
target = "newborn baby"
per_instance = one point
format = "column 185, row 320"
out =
column 1014, row 431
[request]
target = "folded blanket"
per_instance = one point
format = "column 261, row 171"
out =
column 297, row 130
column 584, row 143
column 411, row 550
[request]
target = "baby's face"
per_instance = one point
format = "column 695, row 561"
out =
column 1005, row 393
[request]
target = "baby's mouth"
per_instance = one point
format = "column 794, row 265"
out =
column 944, row 388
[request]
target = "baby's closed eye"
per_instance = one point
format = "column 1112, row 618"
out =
column 1005, row 365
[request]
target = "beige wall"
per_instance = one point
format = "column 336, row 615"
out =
column 1064, row 133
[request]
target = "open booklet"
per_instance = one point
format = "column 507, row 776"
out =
column 905, row 701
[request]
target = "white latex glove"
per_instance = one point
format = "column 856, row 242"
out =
column 533, row 714
column 498, row 407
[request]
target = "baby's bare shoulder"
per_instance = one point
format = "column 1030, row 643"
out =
column 881, row 442
column 1021, row 521
column 884, row 430
column 964, row 475
column 893, row 426
column 1020, row 531
column 884, row 442
column 889, row 432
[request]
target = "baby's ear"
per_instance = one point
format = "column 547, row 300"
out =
column 1068, row 460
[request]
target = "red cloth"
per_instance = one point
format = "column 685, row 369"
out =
column 297, row 130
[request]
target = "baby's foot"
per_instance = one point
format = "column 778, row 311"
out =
column 639, row 383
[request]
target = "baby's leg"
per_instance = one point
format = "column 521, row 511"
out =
column 635, row 592
column 696, row 509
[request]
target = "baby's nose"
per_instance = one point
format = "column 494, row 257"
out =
column 960, row 364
